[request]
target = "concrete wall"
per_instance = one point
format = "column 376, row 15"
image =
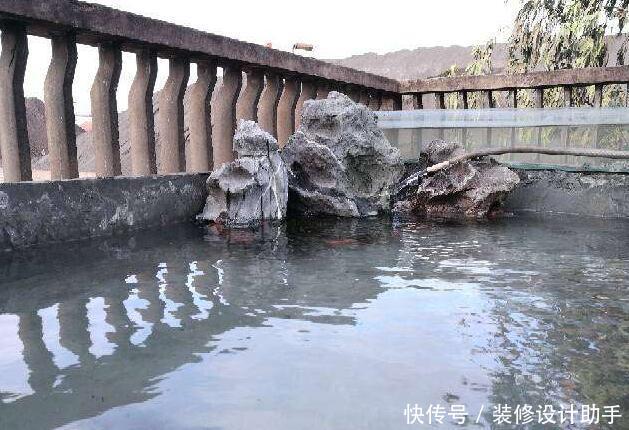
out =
column 587, row 194
column 34, row 213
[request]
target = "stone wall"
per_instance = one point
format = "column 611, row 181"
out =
column 33, row 213
column 586, row 194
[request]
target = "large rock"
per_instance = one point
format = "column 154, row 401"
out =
column 252, row 188
column 339, row 162
column 471, row 189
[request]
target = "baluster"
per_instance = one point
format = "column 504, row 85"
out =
column 172, row 155
column 105, row 111
column 375, row 101
column 141, row 119
column 199, row 156
column 363, row 97
column 440, row 100
column 247, row 105
column 59, row 108
column 598, row 95
column 627, row 95
column 488, row 97
column 224, row 116
column 267, row 108
column 567, row 96
column 308, row 92
column 323, row 89
column 286, row 110
column 538, row 97
column 14, row 145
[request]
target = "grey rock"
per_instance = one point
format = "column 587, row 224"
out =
column 339, row 162
column 474, row 189
column 252, row 188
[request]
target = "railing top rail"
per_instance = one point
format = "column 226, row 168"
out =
column 542, row 79
column 95, row 23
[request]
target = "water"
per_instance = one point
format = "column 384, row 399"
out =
column 315, row 325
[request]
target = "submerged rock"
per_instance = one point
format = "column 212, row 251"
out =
column 470, row 189
column 339, row 162
column 253, row 187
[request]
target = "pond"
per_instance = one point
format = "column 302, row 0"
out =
column 318, row 324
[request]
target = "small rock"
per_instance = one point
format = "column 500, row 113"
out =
column 252, row 188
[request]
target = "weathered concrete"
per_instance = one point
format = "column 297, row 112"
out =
column 253, row 187
column 141, row 117
column 60, row 120
column 172, row 154
column 14, row 143
column 35, row 213
column 224, row 116
column 247, row 105
column 105, row 111
column 199, row 150
column 267, row 107
column 308, row 92
column 286, row 110
column 555, row 191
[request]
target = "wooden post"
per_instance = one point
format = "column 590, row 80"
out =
column 247, row 104
column 224, row 116
column 172, row 155
column 267, row 108
column 598, row 95
column 141, row 118
column 59, row 107
column 105, row 111
column 567, row 96
column 286, row 110
column 440, row 100
column 308, row 92
column 538, row 97
column 14, row 144
column 199, row 155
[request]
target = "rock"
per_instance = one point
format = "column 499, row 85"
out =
column 471, row 189
column 339, row 162
column 252, row 188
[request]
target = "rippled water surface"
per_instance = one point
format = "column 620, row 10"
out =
column 315, row 325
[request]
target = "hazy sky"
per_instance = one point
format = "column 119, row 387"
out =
column 337, row 28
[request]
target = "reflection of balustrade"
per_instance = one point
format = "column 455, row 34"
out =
column 67, row 23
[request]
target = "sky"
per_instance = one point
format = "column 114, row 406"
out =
column 336, row 28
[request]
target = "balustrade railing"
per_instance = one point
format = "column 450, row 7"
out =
column 277, row 85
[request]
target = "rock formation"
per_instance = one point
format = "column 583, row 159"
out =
column 339, row 163
column 252, row 188
column 473, row 189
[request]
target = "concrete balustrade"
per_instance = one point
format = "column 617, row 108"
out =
column 247, row 105
column 172, row 156
column 224, row 116
column 199, row 154
column 14, row 144
column 59, row 107
column 267, row 107
column 105, row 111
column 141, row 119
column 308, row 92
column 286, row 110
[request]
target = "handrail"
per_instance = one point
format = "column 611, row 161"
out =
column 545, row 79
column 95, row 24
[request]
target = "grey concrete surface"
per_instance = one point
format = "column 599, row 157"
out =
column 33, row 213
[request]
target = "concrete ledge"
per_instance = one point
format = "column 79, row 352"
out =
column 34, row 213
column 586, row 194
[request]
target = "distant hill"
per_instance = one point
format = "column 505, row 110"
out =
column 430, row 62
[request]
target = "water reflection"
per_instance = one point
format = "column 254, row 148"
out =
column 330, row 323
